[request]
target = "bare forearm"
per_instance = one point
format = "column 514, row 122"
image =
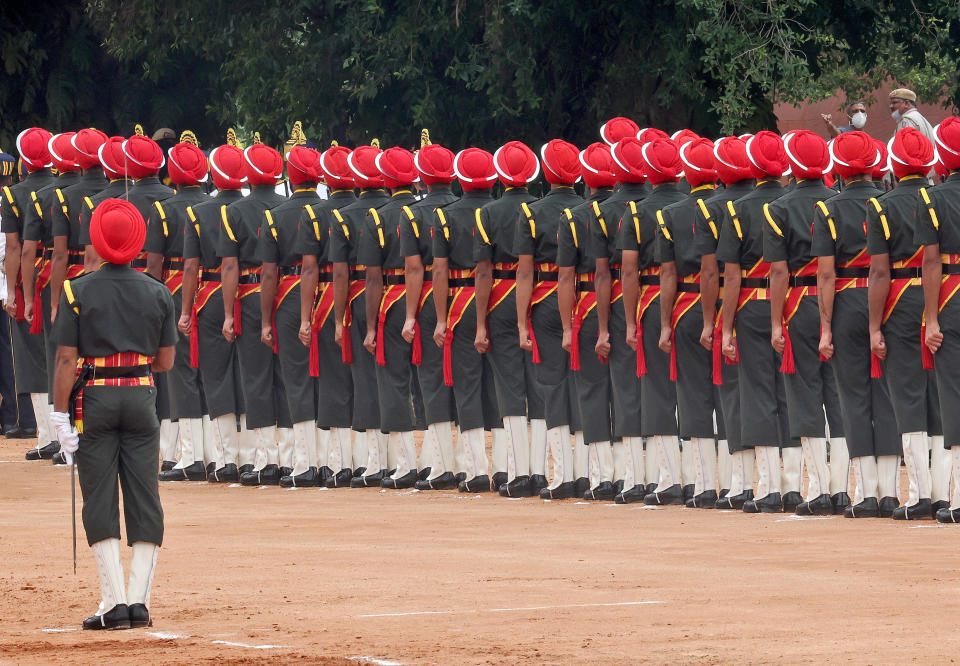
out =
column 374, row 294
column 566, row 296
column 341, row 289
column 483, row 280
column 189, row 288
column 413, row 269
column 932, row 277
column 64, row 377
column 779, row 281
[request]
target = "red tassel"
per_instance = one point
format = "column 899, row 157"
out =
column 787, row 367
column 641, row 357
column 237, row 317
column 926, row 356
column 36, row 326
column 876, row 368
column 194, row 339
column 533, row 340
column 314, row 353
column 717, row 351
column 346, row 347
column 575, row 345
column 448, row 357
column 381, row 322
column 273, row 323
column 673, row 355
column 20, row 305
column 416, row 354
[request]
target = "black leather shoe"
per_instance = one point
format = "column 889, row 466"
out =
column 210, row 469
column 285, row 471
column 919, row 511
column 462, row 476
column 306, row 479
column 139, row 616
column 268, row 476
column 821, row 505
column 688, row 491
column 669, row 496
column 938, row 505
column 45, row 452
column 618, row 486
column 341, row 479
column 602, row 491
column 226, row 474
column 117, row 617
column 724, row 492
column 705, row 500
column 423, row 474
column 887, row 506
column 561, row 492
column 324, row 474
column 58, row 458
column 580, row 486
column 519, row 487
column 16, row 432
column 499, row 478
column 399, row 483
column 791, row 501
column 772, row 503
column 840, row 502
column 245, row 469
column 368, row 481
column 537, row 483
column 868, row 508
column 167, row 465
column 652, row 487
column 948, row 515
column 194, row 472
column 445, row 481
column 631, row 495
column 735, row 502
column 478, row 484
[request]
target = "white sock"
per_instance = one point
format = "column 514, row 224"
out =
column 888, row 476
column 724, row 463
column 620, row 461
column 361, row 451
column 476, row 444
column 839, row 466
column 737, row 485
column 247, row 453
column 955, row 459
column 688, row 464
column 41, row 412
column 227, row 436
column 113, row 591
column 749, row 465
column 865, row 473
column 604, row 455
column 168, row 441
column 792, row 469
column 581, row 457
column 304, row 446
column 324, row 438
column 705, row 457
column 916, row 458
column 940, row 464
column 282, row 448
column 408, row 449
column 538, row 439
column 191, row 451
column 516, row 427
column 635, row 471
column 143, row 563
column 818, row 472
column 651, row 461
column 428, row 452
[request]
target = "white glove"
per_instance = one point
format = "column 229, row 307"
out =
column 66, row 434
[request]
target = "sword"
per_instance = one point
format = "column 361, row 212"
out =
column 73, row 512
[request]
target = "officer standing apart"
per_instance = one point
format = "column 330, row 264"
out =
column 122, row 325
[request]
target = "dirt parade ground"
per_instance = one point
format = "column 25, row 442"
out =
column 404, row 577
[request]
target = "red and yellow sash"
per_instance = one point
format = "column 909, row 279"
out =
column 321, row 312
column 391, row 294
column 681, row 305
column 119, row 360
column 287, row 284
column 648, row 294
column 790, row 306
column 460, row 300
column 949, row 286
column 416, row 354
column 243, row 290
column 207, row 289
column 586, row 301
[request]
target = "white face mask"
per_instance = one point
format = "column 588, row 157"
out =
column 859, row 119
column 895, row 115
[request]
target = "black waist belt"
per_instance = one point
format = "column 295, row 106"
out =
column 138, row 263
column 75, row 260
column 615, row 273
column 428, row 276
column 905, row 273
column 586, row 286
column 284, row 271
column 393, row 279
column 173, row 264
column 460, row 282
column 545, row 276
column 853, row 272
column 249, row 279
column 689, row 287
column 47, row 255
column 803, row 281
column 500, row 274
column 358, row 275
column 325, row 277
column 649, row 279
column 120, row 373
column 754, row 283
column 210, row 276
column 951, row 269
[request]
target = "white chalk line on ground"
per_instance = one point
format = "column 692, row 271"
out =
column 376, row 660
column 247, row 645
column 166, row 635
column 511, row 610
column 790, row 519
column 57, row 630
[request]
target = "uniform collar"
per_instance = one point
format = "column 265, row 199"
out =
column 954, row 176
column 342, row 194
column 560, row 189
column 476, row 194
column 514, row 191
column 859, row 184
column 228, row 195
column 372, row 192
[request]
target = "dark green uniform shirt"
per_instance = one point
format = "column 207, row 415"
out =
column 499, row 221
column 573, row 236
column 168, row 221
column 279, row 237
column 416, row 228
column 605, row 227
column 788, row 231
column 455, row 224
column 241, row 223
column 380, row 232
column 200, row 238
column 741, row 236
column 145, row 192
column 115, row 309
column 938, row 223
column 345, row 231
column 66, row 212
column 115, row 189
column 894, row 232
column 16, row 201
column 678, row 223
column 707, row 234
column 845, row 234
column 314, row 236
column 38, row 221
column 638, row 231
column 537, row 225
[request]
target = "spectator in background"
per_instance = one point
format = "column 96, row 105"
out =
column 903, row 109
column 16, row 415
column 856, row 113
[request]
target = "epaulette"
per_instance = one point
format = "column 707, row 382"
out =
column 483, row 232
column 226, row 223
column 270, row 224
column 600, row 220
column 379, row 225
column 826, row 214
column 735, row 219
column 573, row 226
column 36, row 205
column 883, row 217
column 313, row 220
column 443, row 224
column 530, row 220
column 343, row 225
column 13, row 202
column 636, row 220
column 773, row 225
column 929, row 205
column 709, row 218
column 163, row 218
column 413, row 221
column 663, row 226
column 193, row 219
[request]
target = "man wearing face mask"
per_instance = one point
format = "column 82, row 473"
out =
column 903, row 109
column 856, row 112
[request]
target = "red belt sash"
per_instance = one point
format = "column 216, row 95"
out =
column 949, row 285
column 540, row 291
column 717, row 348
column 119, row 360
column 243, row 290
column 284, row 287
column 761, row 270
column 860, row 260
column 391, row 294
column 790, row 306
column 321, row 311
column 648, row 294
column 357, row 287
column 41, row 281
column 416, row 356
column 681, row 305
column 502, row 287
column 460, row 300
column 586, row 301
column 204, row 293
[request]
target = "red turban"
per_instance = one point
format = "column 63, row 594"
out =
column 648, row 134
column 854, row 153
column 733, row 165
column 662, row 160
column 62, row 152
column 598, row 166
column 87, row 142
column 143, row 155
column 111, row 157
column 561, row 162
column 884, row 166
column 264, row 165
column 617, row 129
column 947, row 134
column 363, row 164
column 767, row 155
column 397, row 167
column 516, row 164
column 910, row 153
column 684, row 136
column 628, row 156
column 33, row 146
column 475, row 170
column 227, row 167
column 435, row 164
column 188, row 164
column 117, row 231
column 808, row 154
column 699, row 164
column 336, row 170
column 303, row 165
